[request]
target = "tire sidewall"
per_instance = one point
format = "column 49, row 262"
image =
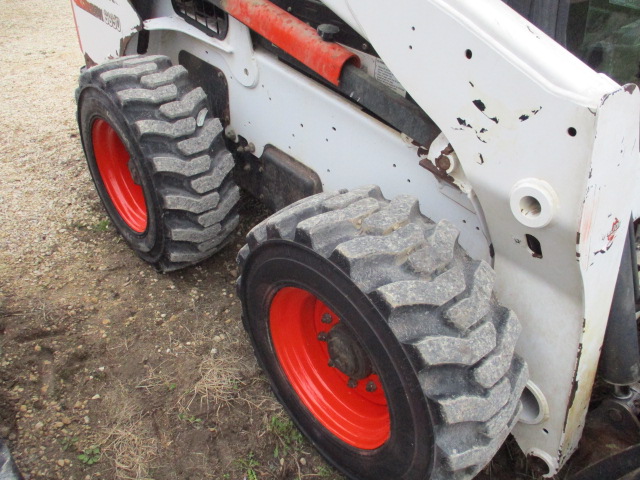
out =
column 94, row 104
column 409, row 453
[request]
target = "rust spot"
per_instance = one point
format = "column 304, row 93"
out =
column 574, row 389
column 89, row 61
column 611, row 236
column 438, row 172
column 443, row 162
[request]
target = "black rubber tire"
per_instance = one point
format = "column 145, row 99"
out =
column 421, row 308
column 177, row 150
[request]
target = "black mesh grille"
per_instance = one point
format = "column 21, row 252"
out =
column 203, row 15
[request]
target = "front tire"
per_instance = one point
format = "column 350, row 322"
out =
column 381, row 337
column 158, row 160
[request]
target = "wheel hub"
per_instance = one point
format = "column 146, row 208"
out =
column 346, row 354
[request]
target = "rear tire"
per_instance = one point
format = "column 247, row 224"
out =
column 158, row 160
column 394, row 303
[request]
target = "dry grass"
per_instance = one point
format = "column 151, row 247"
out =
column 221, row 381
column 132, row 450
column 129, row 440
column 155, row 378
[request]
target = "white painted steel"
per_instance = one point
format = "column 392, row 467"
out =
column 457, row 58
column 515, row 106
column 535, row 408
column 533, row 202
column 105, row 34
column 237, row 48
column 330, row 135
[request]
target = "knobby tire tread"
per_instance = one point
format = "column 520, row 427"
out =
column 183, row 150
column 437, row 301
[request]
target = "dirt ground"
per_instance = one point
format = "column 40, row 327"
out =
column 108, row 369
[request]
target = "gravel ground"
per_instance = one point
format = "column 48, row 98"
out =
column 110, row 370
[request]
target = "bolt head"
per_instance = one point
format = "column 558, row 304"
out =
column 326, row 318
column 327, row 31
column 230, row 134
column 322, row 336
column 352, row 383
column 371, row 386
column 615, row 415
column 443, row 162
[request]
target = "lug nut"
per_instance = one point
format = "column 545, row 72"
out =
column 371, row 386
column 352, row 383
column 322, row 336
column 326, row 318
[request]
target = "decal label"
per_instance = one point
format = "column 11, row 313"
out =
column 109, row 18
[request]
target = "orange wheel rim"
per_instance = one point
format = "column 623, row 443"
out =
column 112, row 158
column 359, row 416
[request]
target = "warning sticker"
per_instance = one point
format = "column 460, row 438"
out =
column 376, row 68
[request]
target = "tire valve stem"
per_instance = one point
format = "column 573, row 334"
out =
column 371, row 386
column 326, row 318
column 322, row 336
column 352, row 383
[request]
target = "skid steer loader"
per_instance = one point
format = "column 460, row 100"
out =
column 452, row 253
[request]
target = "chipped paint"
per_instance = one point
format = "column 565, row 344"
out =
column 609, row 237
column 606, row 200
column 442, row 161
column 482, row 107
column 105, row 31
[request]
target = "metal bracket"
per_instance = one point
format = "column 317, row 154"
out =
column 611, row 432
